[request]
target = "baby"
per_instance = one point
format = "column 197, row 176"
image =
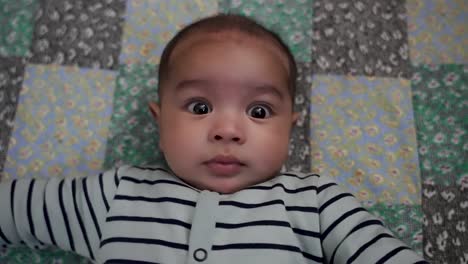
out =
column 226, row 87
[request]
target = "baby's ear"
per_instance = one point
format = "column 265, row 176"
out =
column 155, row 111
column 295, row 117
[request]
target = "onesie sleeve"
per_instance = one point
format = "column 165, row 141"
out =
column 350, row 234
column 65, row 212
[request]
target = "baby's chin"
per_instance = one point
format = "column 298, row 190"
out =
column 229, row 185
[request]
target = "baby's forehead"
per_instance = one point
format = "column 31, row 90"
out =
column 234, row 35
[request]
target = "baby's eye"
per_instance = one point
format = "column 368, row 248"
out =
column 259, row 111
column 199, row 108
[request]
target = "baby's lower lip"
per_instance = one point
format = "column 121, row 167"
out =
column 224, row 169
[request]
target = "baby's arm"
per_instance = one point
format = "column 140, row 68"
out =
column 350, row 234
column 65, row 212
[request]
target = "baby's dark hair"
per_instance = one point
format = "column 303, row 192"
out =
column 227, row 22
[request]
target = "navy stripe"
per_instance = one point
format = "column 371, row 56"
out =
column 116, row 178
column 90, row 207
column 152, row 169
column 101, row 185
column 29, row 208
column 47, row 220
column 297, row 176
column 313, row 257
column 339, row 220
column 154, row 182
column 253, row 223
column 149, row 219
column 155, row 200
column 302, row 189
column 127, row 261
column 4, row 238
column 326, row 186
column 144, row 241
column 256, row 246
column 332, row 200
column 266, row 246
column 356, row 228
column 12, row 206
column 80, row 221
column 366, row 246
column 391, row 254
column 267, row 223
column 65, row 217
column 307, row 209
column 249, row 206
column 12, row 198
column 306, row 232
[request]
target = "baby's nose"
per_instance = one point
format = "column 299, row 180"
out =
column 228, row 130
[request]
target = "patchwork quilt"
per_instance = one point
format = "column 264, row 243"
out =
column 382, row 92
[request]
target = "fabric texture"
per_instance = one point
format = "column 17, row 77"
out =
column 107, row 52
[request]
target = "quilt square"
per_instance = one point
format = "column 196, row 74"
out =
column 80, row 32
column 299, row 149
column 11, row 79
column 292, row 20
column 362, row 133
column 61, row 124
column 17, row 20
column 440, row 99
column 437, row 31
column 405, row 221
column 445, row 223
column 23, row 254
column 150, row 24
column 133, row 137
column 366, row 37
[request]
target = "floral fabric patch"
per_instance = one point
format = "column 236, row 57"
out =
column 437, row 31
column 150, row 24
column 61, row 123
column 362, row 133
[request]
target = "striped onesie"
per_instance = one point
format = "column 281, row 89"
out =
column 147, row 215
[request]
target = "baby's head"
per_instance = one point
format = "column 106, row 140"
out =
column 226, row 89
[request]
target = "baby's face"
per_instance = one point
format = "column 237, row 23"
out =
column 226, row 113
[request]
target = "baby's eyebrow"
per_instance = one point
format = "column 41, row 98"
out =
column 192, row 83
column 268, row 89
column 257, row 88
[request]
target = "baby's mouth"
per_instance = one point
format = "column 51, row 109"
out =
column 223, row 165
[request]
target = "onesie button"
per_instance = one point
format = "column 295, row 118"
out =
column 200, row 255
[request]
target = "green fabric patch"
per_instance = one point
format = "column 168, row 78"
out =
column 292, row 20
column 404, row 221
column 440, row 103
column 133, row 135
column 17, row 26
column 23, row 254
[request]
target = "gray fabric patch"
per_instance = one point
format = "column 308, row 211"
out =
column 82, row 33
column 445, row 223
column 367, row 37
column 299, row 147
column 11, row 79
